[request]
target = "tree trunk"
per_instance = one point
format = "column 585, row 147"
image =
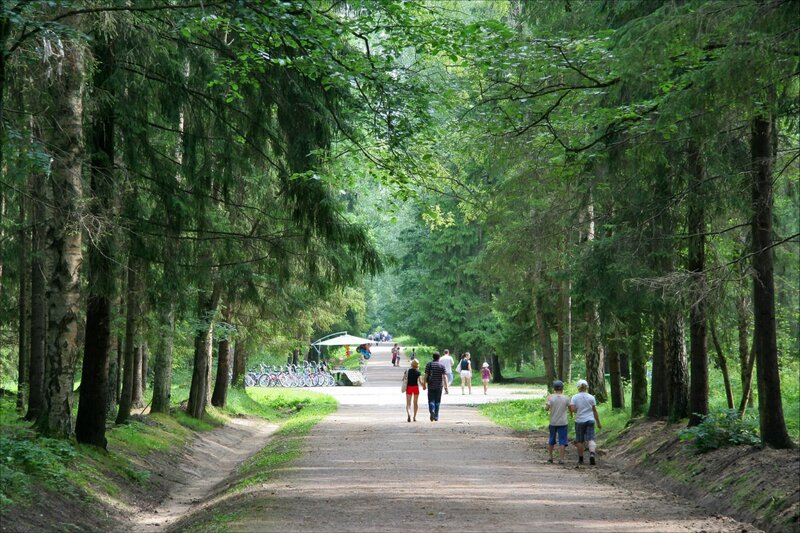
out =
column 38, row 306
column 22, row 299
column 625, row 366
column 120, row 364
column 113, row 375
column 239, row 364
column 723, row 367
column 220, row 395
column 145, row 365
column 2, row 206
column 209, row 364
column 770, row 406
column 617, row 388
column 497, row 371
column 132, row 311
column 63, row 132
column 162, row 368
column 90, row 426
column 595, row 355
column 565, row 333
column 748, row 383
column 593, row 352
column 678, row 366
column 638, row 376
column 136, row 391
column 560, row 342
column 659, row 392
column 698, row 390
column 162, row 378
column 743, row 326
column 198, row 393
column 5, row 32
column 544, row 341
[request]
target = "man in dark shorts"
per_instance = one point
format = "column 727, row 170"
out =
column 436, row 381
column 583, row 405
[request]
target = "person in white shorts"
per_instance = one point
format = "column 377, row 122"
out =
column 447, row 361
column 465, row 371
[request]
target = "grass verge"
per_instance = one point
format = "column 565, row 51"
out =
column 301, row 411
column 530, row 415
column 85, row 480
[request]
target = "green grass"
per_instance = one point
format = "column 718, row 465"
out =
column 302, row 410
column 298, row 411
column 523, row 415
column 530, row 415
column 215, row 523
column 30, row 463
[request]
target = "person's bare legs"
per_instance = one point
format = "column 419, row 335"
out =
column 550, row 451
column 485, row 386
column 469, row 383
column 461, row 377
column 408, row 406
column 562, row 453
column 416, row 406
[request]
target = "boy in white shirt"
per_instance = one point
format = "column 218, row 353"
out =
column 558, row 405
column 583, row 405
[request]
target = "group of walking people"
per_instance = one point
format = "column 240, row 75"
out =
column 584, row 408
column 434, row 379
column 438, row 376
column 437, row 379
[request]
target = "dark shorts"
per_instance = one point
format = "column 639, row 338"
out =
column 584, row 431
column 412, row 389
column 561, row 432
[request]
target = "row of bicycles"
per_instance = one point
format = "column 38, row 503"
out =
column 308, row 374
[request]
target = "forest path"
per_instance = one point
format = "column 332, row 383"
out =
column 364, row 468
column 208, row 461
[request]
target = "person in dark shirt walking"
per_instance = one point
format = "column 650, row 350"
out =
column 435, row 380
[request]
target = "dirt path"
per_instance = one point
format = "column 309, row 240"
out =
column 209, row 460
column 366, row 469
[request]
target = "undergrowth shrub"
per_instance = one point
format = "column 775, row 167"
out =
column 721, row 428
column 23, row 455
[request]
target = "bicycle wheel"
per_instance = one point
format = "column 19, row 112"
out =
column 249, row 380
column 263, row 380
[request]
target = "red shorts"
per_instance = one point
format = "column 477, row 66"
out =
column 412, row 389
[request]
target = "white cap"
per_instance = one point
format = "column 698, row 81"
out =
column 583, row 383
column 485, row 365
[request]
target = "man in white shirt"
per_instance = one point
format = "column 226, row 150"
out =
column 447, row 361
column 583, row 405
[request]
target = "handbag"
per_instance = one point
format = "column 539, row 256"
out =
column 404, row 385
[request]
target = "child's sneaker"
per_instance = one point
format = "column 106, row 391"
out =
column 591, row 458
column 580, row 460
column 550, row 460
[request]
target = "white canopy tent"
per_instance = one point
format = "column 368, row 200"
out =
column 341, row 338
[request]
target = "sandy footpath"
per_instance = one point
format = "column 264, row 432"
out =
column 364, row 468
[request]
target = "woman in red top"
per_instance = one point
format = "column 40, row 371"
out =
column 412, row 389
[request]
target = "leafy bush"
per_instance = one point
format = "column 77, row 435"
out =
column 719, row 429
column 23, row 455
